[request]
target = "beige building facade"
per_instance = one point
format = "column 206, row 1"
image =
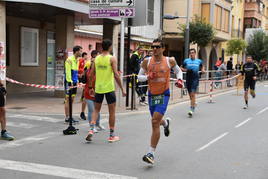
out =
column 38, row 36
column 215, row 12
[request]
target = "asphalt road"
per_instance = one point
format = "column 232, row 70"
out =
column 221, row 141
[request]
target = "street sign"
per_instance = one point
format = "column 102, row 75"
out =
column 111, row 3
column 117, row 12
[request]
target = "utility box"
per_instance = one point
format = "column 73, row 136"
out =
column 144, row 13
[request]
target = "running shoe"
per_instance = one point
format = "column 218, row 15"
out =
column 83, row 116
column 245, row 107
column 95, row 130
column 190, row 113
column 89, row 135
column 253, row 94
column 7, row 136
column 100, row 127
column 112, row 139
column 66, row 119
column 166, row 129
column 148, row 158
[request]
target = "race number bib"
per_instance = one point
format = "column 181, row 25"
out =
column 156, row 100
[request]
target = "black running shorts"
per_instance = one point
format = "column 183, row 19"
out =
column 2, row 100
column 249, row 83
column 110, row 97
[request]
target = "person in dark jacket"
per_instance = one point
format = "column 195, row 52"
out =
column 135, row 62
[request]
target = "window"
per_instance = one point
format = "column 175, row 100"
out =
column 218, row 17
column 29, row 46
column 233, row 21
column 206, row 12
column 226, row 20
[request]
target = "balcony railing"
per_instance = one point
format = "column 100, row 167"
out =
column 237, row 33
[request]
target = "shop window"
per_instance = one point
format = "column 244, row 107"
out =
column 29, row 46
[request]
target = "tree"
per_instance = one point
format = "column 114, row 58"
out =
column 235, row 46
column 258, row 46
column 201, row 32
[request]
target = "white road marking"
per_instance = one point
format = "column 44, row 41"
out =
column 262, row 111
column 20, row 125
column 244, row 122
column 57, row 170
column 211, row 142
column 28, row 140
column 35, row 118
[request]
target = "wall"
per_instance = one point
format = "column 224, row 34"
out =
column 35, row 75
column 85, row 41
column 150, row 32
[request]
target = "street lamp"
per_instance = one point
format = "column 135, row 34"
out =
column 187, row 31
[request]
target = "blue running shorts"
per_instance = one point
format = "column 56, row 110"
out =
column 161, row 107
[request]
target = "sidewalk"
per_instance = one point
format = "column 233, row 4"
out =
column 46, row 103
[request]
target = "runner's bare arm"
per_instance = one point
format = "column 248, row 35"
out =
column 116, row 74
column 91, row 75
column 175, row 67
column 142, row 76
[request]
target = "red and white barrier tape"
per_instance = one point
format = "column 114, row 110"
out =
column 80, row 85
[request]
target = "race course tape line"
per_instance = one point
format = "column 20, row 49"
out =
column 81, row 85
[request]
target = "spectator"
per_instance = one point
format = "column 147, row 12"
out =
column 4, row 134
column 81, row 76
column 135, row 61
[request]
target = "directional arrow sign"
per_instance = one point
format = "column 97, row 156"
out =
column 117, row 12
column 111, row 3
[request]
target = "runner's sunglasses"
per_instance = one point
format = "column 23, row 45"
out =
column 156, row 46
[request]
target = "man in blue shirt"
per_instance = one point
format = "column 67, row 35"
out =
column 192, row 66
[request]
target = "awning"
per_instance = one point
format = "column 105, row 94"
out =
column 76, row 6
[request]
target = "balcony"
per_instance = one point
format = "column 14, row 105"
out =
column 252, row 9
column 237, row 33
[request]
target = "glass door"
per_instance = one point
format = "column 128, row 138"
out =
column 51, row 58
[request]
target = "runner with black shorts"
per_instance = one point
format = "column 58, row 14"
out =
column 105, row 70
column 250, row 71
column 71, row 79
column 4, row 134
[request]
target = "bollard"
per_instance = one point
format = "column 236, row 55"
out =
column 134, row 89
column 132, row 92
column 127, row 91
column 210, row 92
column 71, row 130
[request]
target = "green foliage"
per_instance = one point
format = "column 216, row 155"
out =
column 201, row 33
column 258, row 46
column 235, row 46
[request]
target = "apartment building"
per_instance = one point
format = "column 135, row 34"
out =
column 215, row 12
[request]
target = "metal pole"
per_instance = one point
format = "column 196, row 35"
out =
column 122, row 49
column 128, row 59
column 187, row 31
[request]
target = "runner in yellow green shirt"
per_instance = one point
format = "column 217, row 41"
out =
column 71, row 78
column 105, row 70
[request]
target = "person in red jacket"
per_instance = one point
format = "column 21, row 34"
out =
column 81, row 66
